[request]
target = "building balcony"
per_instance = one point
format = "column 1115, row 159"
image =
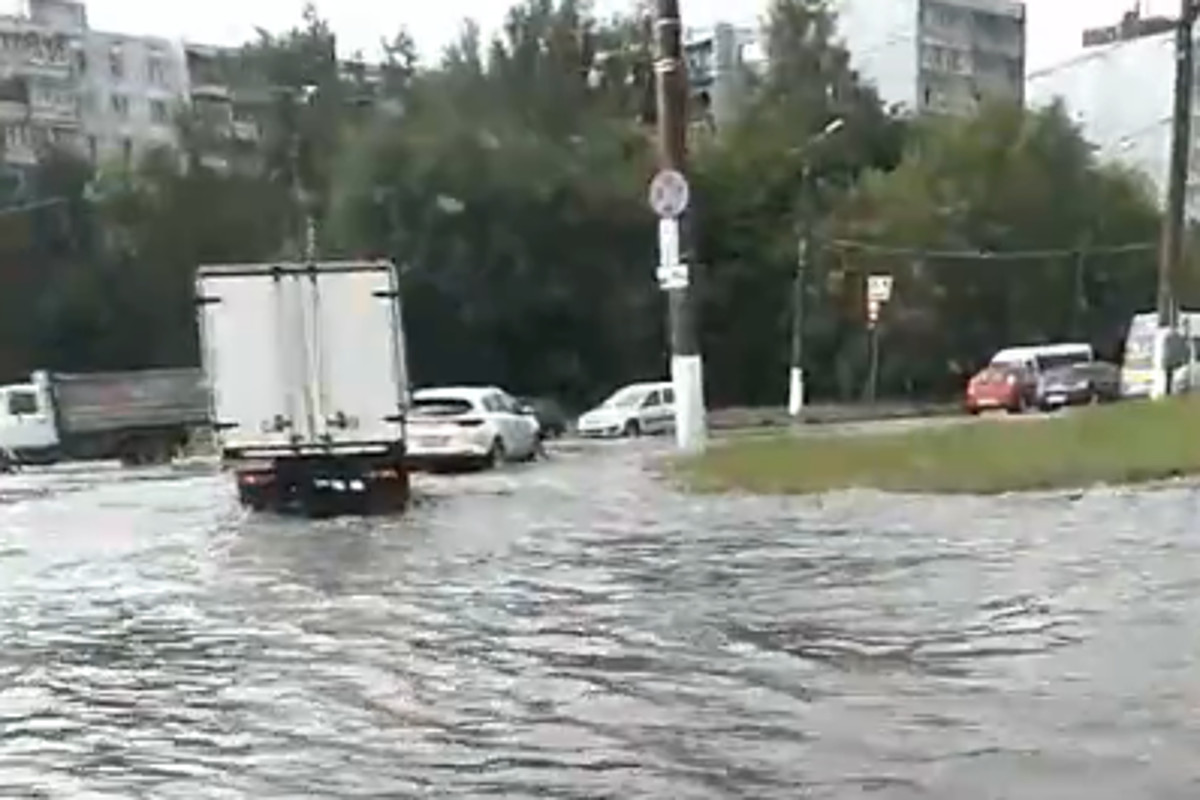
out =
column 45, row 68
column 13, row 111
column 246, row 131
column 24, row 155
column 1008, row 47
column 211, row 91
column 54, row 115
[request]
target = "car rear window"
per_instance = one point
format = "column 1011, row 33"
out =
column 1062, row 360
column 441, row 406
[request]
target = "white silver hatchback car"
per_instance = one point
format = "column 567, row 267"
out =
column 473, row 426
column 633, row 410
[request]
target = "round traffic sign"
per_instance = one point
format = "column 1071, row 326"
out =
column 669, row 194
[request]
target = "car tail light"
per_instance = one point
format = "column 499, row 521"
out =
column 255, row 478
column 470, row 423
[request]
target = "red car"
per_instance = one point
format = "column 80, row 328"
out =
column 1001, row 386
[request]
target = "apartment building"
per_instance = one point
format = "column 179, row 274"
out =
column 114, row 97
column 720, row 59
column 936, row 56
column 235, row 105
column 62, row 84
column 38, row 99
column 1118, row 88
column 131, row 90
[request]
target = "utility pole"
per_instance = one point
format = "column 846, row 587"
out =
column 1170, row 253
column 669, row 196
column 304, row 203
column 799, row 290
column 298, row 102
column 1078, row 326
column 807, row 210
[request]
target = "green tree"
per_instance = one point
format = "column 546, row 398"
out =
column 512, row 190
column 1002, row 181
column 765, row 179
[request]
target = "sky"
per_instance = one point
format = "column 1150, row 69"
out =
column 1054, row 25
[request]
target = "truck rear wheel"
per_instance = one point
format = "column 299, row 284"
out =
column 147, row 451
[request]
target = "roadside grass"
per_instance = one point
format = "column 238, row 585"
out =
column 1124, row 443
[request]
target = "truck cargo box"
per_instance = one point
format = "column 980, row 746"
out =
column 129, row 401
column 304, row 358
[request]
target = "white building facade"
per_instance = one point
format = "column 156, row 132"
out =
column 1120, row 93
column 131, row 92
column 720, row 59
column 38, row 98
column 936, row 56
column 106, row 96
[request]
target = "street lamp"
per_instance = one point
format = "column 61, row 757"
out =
column 833, row 127
column 444, row 204
column 799, row 282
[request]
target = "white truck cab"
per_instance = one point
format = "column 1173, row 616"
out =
column 27, row 417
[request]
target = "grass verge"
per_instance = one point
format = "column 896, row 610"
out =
column 1126, row 443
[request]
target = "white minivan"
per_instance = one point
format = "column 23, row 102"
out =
column 633, row 410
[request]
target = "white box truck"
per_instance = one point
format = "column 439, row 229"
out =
column 139, row 416
column 307, row 370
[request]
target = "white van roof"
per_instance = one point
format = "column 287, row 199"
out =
column 1014, row 355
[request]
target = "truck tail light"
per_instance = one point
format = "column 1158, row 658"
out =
column 384, row 475
column 256, row 478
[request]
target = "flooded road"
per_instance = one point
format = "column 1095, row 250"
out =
column 574, row 630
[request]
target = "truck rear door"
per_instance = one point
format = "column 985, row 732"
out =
column 250, row 324
column 356, row 356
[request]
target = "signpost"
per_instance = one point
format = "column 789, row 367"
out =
column 669, row 194
column 669, row 197
column 879, row 291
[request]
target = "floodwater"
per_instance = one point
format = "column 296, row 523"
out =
column 574, row 629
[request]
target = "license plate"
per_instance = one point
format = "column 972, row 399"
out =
column 1056, row 399
column 432, row 441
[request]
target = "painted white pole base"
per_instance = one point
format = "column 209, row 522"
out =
column 1158, row 387
column 687, row 376
column 795, row 391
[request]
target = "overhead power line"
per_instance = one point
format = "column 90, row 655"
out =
column 981, row 255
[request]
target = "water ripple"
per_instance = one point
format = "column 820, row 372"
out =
column 573, row 630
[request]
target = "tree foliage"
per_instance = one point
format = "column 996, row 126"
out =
column 509, row 182
column 1002, row 182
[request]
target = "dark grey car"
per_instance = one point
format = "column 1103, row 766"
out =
column 1078, row 383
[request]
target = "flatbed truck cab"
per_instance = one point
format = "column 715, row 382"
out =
column 307, row 369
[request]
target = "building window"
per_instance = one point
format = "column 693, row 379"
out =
column 16, row 136
column 120, row 105
column 942, row 59
column 932, row 57
column 116, row 63
column 156, row 70
column 1016, row 71
column 159, row 112
column 941, row 16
